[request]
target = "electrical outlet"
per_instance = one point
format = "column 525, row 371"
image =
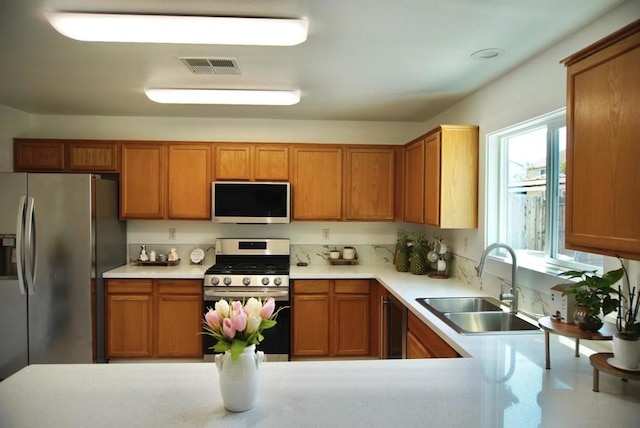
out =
column 325, row 234
column 172, row 233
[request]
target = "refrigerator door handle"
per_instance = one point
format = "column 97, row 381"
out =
column 20, row 244
column 31, row 258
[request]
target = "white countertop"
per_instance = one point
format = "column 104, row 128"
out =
column 502, row 384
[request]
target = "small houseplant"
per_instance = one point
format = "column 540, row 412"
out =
column 626, row 342
column 594, row 294
column 402, row 251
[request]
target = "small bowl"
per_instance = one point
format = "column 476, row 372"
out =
column 162, row 257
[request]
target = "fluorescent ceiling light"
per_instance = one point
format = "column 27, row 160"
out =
column 223, row 96
column 103, row 27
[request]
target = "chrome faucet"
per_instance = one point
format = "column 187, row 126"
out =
column 513, row 296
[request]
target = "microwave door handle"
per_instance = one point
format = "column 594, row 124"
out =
column 20, row 245
column 31, row 258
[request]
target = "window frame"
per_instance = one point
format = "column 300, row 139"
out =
column 497, row 184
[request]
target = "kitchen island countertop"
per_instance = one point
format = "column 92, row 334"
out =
column 501, row 383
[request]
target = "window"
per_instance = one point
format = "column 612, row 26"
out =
column 528, row 193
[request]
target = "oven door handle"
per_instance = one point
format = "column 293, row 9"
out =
column 217, row 294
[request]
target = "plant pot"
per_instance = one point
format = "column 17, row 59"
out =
column 626, row 352
column 585, row 319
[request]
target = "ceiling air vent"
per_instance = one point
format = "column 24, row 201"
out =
column 212, row 65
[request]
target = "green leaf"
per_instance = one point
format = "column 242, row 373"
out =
column 237, row 347
column 222, row 346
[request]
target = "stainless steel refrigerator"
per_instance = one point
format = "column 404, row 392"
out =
column 59, row 233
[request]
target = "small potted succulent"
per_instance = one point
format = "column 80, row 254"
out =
column 594, row 295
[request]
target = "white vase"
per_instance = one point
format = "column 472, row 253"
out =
column 626, row 353
column 239, row 379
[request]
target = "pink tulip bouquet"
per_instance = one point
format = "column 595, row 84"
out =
column 236, row 326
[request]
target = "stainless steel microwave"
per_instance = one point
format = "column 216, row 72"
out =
column 250, row 202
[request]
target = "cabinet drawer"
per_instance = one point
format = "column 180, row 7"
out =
column 133, row 286
column 351, row 286
column 180, row 286
column 311, row 286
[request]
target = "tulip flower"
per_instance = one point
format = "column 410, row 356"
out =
column 228, row 329
column 222, row 308
column 253, row 307
column 213, row 319
column 268, row 308
column 239, row 319
column 236, row 306
column 253, row 322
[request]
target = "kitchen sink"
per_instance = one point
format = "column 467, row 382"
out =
column 488, row 323
column 460, row 304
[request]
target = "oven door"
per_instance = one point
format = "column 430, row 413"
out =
column 276, row 343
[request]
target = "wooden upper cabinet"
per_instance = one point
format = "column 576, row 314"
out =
column 317, row 183
column 142, row 181
column 189, row 181
column 603, row 146
column 93, row 156
column 271, row 162
column 414, row 178
column 369, row 183
column 451, row 177
column 232, row 162
column 38, row 155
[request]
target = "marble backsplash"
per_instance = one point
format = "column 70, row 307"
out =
column 319, row 254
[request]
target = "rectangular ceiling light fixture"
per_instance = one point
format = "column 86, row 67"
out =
column 107, row 27
column 223, row 96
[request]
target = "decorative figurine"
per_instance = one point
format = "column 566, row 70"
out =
column 173, row 255
column 143, row 254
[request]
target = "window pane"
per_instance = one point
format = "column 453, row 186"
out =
column 527, row 190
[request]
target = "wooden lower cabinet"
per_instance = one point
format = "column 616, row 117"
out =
column 422, row 342
column 154, row 318
column 331, row 318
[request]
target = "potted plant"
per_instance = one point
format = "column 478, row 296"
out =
column 626, row 342
column 402, row 251
column 594, row 294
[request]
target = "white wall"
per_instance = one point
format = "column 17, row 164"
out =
column 12, row 123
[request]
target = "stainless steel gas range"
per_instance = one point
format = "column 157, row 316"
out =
column 252, row 268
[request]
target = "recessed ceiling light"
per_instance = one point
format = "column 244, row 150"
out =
column 223, row 96
column 489, row 53
column 104, row 27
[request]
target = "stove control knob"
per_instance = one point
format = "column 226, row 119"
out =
column 265, row 281
column 277, row 281
column 227, row 280
column 215, row 280
column 246, row 280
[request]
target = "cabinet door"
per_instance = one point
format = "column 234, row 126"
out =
column 94, row 156
column 432, row 180
column 414, row 182
column 415, row 348
column 603, row 148
column 179, row 320
column 142, row 181
column 129, row 325
column 370, row 183
column 428, row 340
column 233, row 162
column 38, row 155
column 317, row 183
column 189, row 181
column 271, row 163
column 351, row 325
column 310, row 325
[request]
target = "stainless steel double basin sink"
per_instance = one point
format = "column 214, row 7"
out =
column 476, row 315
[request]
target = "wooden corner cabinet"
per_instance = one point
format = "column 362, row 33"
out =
column 441, row 178
column 422, row 342
column 331, row 318
column 148, row 318
column 603, row 146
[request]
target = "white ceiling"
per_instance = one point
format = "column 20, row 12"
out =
column 377, row 60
